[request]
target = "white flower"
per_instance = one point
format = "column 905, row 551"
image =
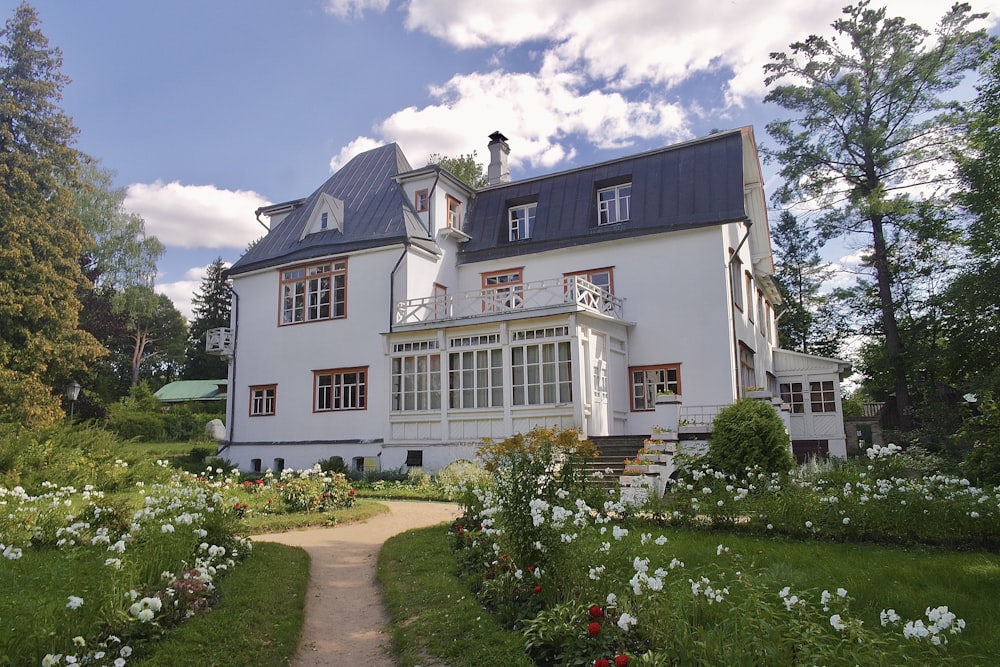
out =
column 842, row 592
column 612, row 599
column 50, row 660
column 74, row 602
column 661, row 540
column 847, row 520
column 809, row 524
column 837, row 622
column 626, row 620
column 167, row 528
column 889, row 616
column 79, row 641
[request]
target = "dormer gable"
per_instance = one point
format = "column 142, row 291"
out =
column 327, row 214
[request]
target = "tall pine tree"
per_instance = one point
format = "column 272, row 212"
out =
column 41, row 345
column 807, row 322
column 870, row 124
column 211, row 310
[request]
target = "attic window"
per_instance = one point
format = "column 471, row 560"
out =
column 420, row 200
column 613, row 204
column 324, row 220
column 522, row 221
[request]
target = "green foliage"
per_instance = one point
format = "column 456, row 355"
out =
column 748, row 434
column 333, row 464
column 868, row 118
column 465, row 167
column 41, row 345
column 140, row 415
column 211, row 310
column 982, row 430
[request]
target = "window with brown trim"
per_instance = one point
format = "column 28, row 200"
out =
column 314, row 292
column 761, row 319
column 648, row 381
column 736, row 277
column 263, row 399
column 749, row 284
column 748, row 376
column 768, row 327
column 603, row 278
column 340, row 389
column 420, row 200
column 503, row 290
column 454, row 212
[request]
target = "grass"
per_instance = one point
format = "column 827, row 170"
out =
column 434, row 617
column 258, row 524
column 257, row 622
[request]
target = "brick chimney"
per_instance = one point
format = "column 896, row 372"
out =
column 498, row 171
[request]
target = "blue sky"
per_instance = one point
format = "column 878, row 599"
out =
column 208, row 110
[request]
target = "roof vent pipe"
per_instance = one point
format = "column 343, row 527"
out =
column 498, row 171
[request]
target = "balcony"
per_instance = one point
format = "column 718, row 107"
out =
column 556, row 295
column 219, row 341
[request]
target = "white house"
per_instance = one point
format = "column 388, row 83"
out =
column 398, row 314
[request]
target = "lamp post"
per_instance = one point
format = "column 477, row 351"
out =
column 72, row 393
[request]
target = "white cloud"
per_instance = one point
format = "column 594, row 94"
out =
column 196, row 216
column 354, row 8
column 181, row 292
column 626, row 43
column 608, row 71
column 540, row 115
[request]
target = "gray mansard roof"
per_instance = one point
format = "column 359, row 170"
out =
column 376, row 213
column 694, row 184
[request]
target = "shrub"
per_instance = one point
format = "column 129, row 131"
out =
column 983, row 431
column 749, row 433
column 333, row 464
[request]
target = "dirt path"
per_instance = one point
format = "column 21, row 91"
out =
column 345, row 619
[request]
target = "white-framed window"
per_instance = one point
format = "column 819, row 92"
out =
column 541, row 373
column 263, row 400
column 475, row 379
column 314, row 292
column 522, row 221
column 324, row 220
column 791, row 393
column 416, row 382
column 761, row 316
column 821, row 396
column 340, row 389
column 648, row 381
column 749, row 301
column 613, row 204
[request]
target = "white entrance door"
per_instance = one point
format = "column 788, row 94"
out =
column 599, row 417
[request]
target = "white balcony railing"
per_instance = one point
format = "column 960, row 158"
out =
column 219, row 341
column 553, row 293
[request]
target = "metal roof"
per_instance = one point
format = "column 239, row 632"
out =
column 695, row 184
column 192, row 390
column 376, row 213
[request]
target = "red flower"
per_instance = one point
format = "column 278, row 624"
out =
column 537, row 589
column 594, row 629
column 531, row 568
column 602, row 662
column 596, row 611
column 351, row 492
column 621, row 660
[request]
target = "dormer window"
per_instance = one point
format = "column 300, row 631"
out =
column 522, row 221
column 613, row 204
column 420, row 200
column 324, row 220
column 454, row 213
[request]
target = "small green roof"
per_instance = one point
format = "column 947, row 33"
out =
column 193, row 390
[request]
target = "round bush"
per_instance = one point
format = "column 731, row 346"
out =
column 746, row 434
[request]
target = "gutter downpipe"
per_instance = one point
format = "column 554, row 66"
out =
column 392, row 284
column 230, row 403
column 732, row 305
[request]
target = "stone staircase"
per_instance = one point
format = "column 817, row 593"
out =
column 613, row 450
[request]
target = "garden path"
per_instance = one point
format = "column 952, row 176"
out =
column 345, row 619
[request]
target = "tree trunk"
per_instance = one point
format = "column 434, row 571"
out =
column 893, row 342
column 141, row 339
